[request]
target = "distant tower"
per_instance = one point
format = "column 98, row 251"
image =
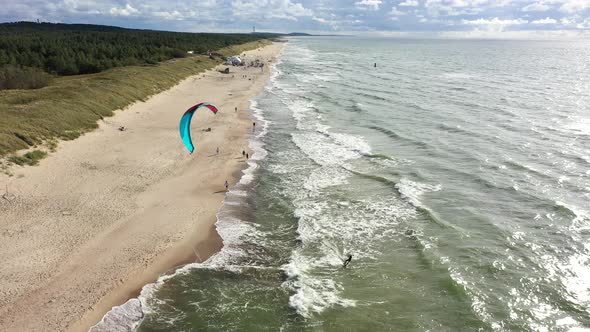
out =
column 253, row 29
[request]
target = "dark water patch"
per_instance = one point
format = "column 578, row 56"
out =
column 380, row 156
column 377, row 178
column 414, row 106
column 564, row 210
column 398, row 137
column 514, row 165
column 354, row 86
column 355, row 107
column 456, row 88
column 385, row 131
column 326, row 98
column 371, row 96
column 434, row 218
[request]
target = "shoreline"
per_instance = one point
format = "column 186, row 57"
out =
column 129, row 205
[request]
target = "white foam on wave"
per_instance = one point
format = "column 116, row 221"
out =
column 325, row 77
column 477, row 297
column 320, row 223
column 123, row 318
column 412, row 191
column 325, row 177
column 355, row 143
column 322, row 151
column 129, row 315
column 579, row 126
column 334, row 229
column 255, row 144
column 457, row 76
column 312, row 294
column 300, row 109
column 574, row 271
column 570, row 270
column 300, row 55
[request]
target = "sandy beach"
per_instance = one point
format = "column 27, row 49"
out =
column 111, row 211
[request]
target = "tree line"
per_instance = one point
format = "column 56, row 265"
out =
column 72, row 49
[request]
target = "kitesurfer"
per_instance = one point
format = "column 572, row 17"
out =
column 347, row 261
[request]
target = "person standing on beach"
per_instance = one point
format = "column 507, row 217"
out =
column 243, row 153
column 253, row 126
column 236, row 110
column 246, row 155
column 226, row 186
column 217, row 151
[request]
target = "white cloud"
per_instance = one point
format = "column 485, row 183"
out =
column 535, row 7
column 81, row 6
column 495, row 24
column 409, row 3
column 437, row 8
column 532, row 35
column 584, row 25
column 573, row 6
column 265, row 9
column 374, row 4
column 171, row 15
column 547, row 20
column 486, row 16
column 127, row 11
column 494, row 21
column 319, row 19
column 567, row 21
column 396, row 12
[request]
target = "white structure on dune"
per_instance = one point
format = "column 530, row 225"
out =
column 234, row 61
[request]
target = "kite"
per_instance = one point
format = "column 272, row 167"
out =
column 185, row 124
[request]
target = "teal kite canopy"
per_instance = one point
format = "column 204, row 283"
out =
column 185, row 124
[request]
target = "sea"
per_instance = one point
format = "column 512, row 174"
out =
column 455, row 172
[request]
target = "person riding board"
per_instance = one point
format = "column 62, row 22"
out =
column 347, row 261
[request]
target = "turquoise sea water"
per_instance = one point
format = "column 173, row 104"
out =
column 457, row 174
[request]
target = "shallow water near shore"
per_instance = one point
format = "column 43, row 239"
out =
column 457, row 174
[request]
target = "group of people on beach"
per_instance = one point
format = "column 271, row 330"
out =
column 244, row 153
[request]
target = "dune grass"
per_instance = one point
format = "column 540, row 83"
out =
column 30, row 158
column 72, row 105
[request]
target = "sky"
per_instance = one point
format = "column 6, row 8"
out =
column 442, row 18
